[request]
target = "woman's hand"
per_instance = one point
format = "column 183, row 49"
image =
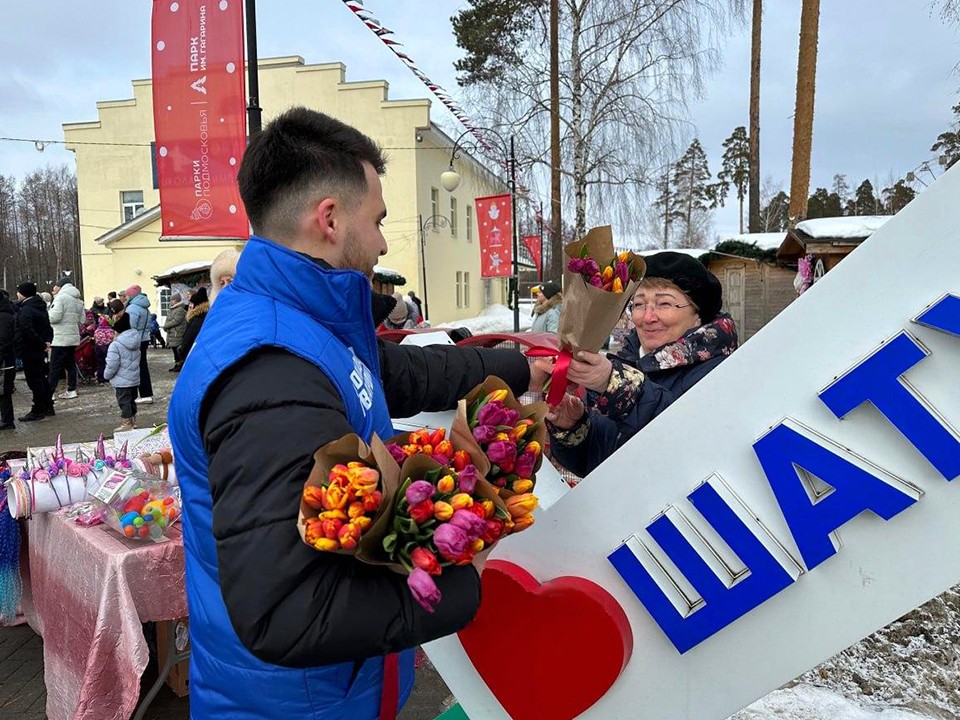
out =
column 540, row 371
column 590, row 370
column 567, row 413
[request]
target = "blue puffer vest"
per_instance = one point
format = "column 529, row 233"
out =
column 282, row 299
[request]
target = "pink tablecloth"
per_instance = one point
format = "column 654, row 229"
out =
column 89, row 590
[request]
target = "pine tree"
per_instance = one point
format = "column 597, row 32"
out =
column 817, row 204
column 736, row 168
column 841, row 189
column 897, row 197
column 490, row 31
column 775, row 215
column 693, row 194
column 865, row 200
column 666, row 201
column 948, row 143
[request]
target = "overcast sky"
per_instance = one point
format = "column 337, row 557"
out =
column 885, row 74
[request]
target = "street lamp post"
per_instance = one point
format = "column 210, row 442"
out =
column 432, row 222
column 450, row 180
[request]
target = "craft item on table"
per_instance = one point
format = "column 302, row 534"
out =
column 138, row 506
column 160, row 464
column 52, row 482
column 9, row 555
column 157, row 441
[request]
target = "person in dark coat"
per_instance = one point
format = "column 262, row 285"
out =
column 679, row 336
column 196, row 314
column 32, row 338
column 286, row 362
column 8, row 360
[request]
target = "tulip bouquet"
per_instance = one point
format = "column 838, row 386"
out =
column 435, row 444
column 613, row 277
column 442, row 517
column 511, row 436
column 347, row 493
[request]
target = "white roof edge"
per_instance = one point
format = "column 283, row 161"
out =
column 130, row 226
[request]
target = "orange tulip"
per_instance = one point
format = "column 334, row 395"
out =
column 330, row 528
column 461, row 501
column 326, row 544
column 335, row 498
column 442, row 510
column 617, row 285
column 500, row 395
column 533, row 446
column 338, row 471
column 312, row 530
column 607, row 274
column 522, row 486
column 364, row 480
column 522, row 523
column 334, row 515
column 501, row 436
column 624, row 256
column 420, row 437
column 313, row 496
column 488, row 508
column 371, row 502
column 363, row 522
column 461, row 458
column 355, row 510
column 349, row 536
column 444, row 447
column 519, row 431
column 437, row 436
column 445, row 484
column 520, row 505
column 477, row 545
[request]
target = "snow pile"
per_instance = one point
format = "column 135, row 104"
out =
column 855, row 227
column 494, row 319
column 909, row 670
column 764, row 241
column 692, row 252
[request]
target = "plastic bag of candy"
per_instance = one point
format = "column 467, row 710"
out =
column 139, row 506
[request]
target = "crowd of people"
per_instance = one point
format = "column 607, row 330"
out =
column 56, row 340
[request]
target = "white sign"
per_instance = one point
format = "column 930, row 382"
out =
column 819, row 458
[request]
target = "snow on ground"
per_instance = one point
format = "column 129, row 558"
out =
column 909, row 670
column 851, row 228
column 764, row 241
column 494, row 319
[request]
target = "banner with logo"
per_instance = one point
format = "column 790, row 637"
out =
column 495, row 224
column 534, row 246
column 199, row 116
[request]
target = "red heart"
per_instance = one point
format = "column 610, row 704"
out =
column 550, row 651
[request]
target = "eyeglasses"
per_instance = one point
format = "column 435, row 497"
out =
column 661, row 307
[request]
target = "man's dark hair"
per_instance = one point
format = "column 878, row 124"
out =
column 299, row 158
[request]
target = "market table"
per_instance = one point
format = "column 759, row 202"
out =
column 89, row 591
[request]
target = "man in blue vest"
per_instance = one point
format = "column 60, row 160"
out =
column 286, row 361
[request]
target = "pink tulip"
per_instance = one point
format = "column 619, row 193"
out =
column 502, row 452
column 467, row 480
column 590, row 266
column 524, row 466
column 451, row 540
column 622, row 272
column 576, row 265
column 473, row 525
column 397, row 453
column 419, row 491
column 484, row 433
column 424, row 589
column 493, row 413
column 596, row 280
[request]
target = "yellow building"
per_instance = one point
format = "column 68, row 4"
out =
column 119, row 204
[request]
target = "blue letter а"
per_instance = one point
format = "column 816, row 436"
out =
column 783, row 450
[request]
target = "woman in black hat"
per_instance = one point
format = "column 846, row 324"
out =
column 679, row 336
column 546, row 311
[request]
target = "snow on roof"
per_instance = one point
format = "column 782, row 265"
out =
column 494, row 319
column 186, row 267
column 764, row 241
column 855, row 227
column 692, row 252
column 386, row 271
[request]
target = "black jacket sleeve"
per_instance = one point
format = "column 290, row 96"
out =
column 289, row 604
column 433, row 378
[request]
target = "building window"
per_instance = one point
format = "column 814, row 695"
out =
column 164, row 301
column 459, row 289
column 469, row 223
column 466, row 289
column 131, row 203
column 453, row 216
column 434, row 205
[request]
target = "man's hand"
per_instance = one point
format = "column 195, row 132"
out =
column 590, row 370
column 567, row 413
column 540, row 371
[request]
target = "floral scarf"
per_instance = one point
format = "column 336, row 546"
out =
column 715, row 338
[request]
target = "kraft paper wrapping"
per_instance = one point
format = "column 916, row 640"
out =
column 350, row 448
column 589, row 314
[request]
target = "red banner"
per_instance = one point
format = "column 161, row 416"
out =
column 495, row 223
column 199, row 116
column 534, row 245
